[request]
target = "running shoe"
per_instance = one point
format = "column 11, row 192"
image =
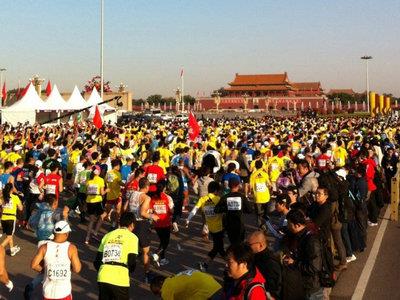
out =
column 351, row 258
column 372, row 224
column 156, row 259
column 14, row 250
column 175, row 227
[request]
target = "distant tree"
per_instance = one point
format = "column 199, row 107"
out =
column 168, row 100
column 222, row 92
column 189, row 99
column 154, row 99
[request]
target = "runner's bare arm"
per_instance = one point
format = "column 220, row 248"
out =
column 75, row 261
column 36, row 261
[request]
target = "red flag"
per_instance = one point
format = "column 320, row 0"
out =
column 4, row 93
column 194, row 127
column 48, row 88
column 97, row 121
column 25, row 90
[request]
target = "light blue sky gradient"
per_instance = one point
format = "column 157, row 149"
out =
column 147, row 42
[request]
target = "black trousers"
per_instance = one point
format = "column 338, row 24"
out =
column 112, row 292
column 218, row 245
column 235, row 234
column 164, row 235
column 373, row 209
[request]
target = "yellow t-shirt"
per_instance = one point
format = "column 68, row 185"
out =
column 10, row 209
column 13, row 157
column 93, row 188
column 340, row 156
column 259, row 183
column 207, row 204
column 275, row 166
column 113, row 180
column 189, row 284
column 116, row 246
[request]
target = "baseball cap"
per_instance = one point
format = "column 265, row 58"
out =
column 62, row 227
column 38, row 163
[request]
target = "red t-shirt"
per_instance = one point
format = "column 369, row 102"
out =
column 322, row 161
column 52, row 184
column 154, row 174
column 162, row 208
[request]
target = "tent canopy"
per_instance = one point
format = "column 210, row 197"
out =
column 29, row 102
column 76, row 100
column 95, row 99
column 56, row 102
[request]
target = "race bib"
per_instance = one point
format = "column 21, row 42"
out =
column 234, row 203
column 112, row 253
column 92, row 189
column 322, row 163
column 249, row 157
column 209, row 211
column 274, row 167
column 8, row 205
column 160, row 209
column 261, row 187
column 338, row 161
column 51, row 189
column 152, row 177
column 59, row 271
column 110, row 177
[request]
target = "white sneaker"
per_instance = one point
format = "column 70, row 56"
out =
column 372, row 224
column 351, row 258
column 175, row 227
column 77, row 210
column 164, row 262
column 156, row 258
column 14, row 250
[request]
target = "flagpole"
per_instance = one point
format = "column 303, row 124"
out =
column 183, row 93
column 1, row 83
column 101, row 49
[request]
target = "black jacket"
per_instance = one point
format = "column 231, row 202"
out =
column 270, row 267
column 233, row 207
column 321, row 215
column 308, row 259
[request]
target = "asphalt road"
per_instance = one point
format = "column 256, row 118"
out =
column 383, row 282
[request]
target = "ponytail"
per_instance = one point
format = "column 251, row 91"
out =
column 7, row 192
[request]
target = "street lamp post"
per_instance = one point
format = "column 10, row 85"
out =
column 101, row 48
column 367, row 58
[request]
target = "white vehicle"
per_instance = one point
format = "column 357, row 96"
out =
column 166, row 117
column 181, row 117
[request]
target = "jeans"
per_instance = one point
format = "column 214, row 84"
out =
column 346, row 239
column 318, row 295
column 337, row 239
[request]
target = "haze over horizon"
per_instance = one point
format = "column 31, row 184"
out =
column 147, row 42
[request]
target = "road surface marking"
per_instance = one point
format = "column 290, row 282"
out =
column 366, row 272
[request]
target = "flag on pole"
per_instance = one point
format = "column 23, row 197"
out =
column 48, row 88
column 25, row 90
column 97, row 121
column 4, row 93
column 194, row 127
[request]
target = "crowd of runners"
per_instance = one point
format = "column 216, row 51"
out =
column 313, row 186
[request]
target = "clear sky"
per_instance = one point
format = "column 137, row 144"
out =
column 147, row 42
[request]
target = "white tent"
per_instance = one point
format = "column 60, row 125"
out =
column 56, row 102
column 76, row 100
column 95, row 99
column 25, row 109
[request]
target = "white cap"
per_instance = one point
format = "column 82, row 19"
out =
column 62, row 227
column 17, row 148
column 38, row 163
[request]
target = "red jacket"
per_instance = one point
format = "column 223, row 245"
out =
column 241, row 287
column 370, row 165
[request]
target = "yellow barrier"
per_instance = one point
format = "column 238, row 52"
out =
column 381, row 104
column 372, row 103
column 394, row 196
column 388, row 106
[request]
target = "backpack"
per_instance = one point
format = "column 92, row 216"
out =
column 172, row 184
column 251, row 287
